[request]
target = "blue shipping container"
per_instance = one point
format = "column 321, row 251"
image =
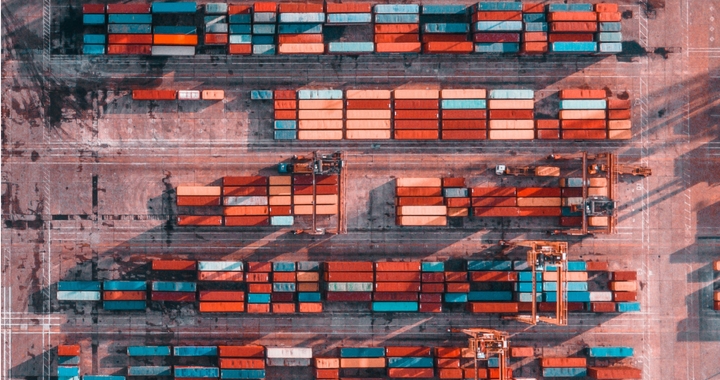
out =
column 79, row 285
column 285, row 135
column 282, row 220
column 512, row 94
column 536, row 27
column 309, row 297
column 102, row 377
column 283, row 287
column 625, row 307
column 351, row 47
column 362, row 352
column 242, row 373
column 68, row 360
column 610, row 26
column 220, row 266
column 125, row 285
column 285, row 124
column 302, row 17
column 148, row 351
column 397, row 8
column 527, row 276
column 258, row 40
column 94, row 39
column 197, row 372
column 93, row 19
column 498, row 47
column 499, row 6
column 610, row 352
column 283, row 266
column 129, row 19
column 610, row 37
column 410, row 362
column 130, row 28
column 489, row 295
column 68, row 371
column 240, row 19
column 457, row 104
column 149, row 371
column 174, row 286
column 300, row 28
column 78, row 295
column 444, row 9
column 261, row 95
column 433, row 266
column 195, row 351
column 258, row 298
column 573, row 47
column 446, row 28
column 489, row 265
column 534, row 17
column 308, row 266
column 397, row 18
column 93, row 49
column 570, row 8
column 241, row 38
column 319, row 94
column 564, row 372
column 349, row 18
column 611, row 47
column 174, row 7
column 456, row 297
column 175, row 29
column 389, row 307
column 124, row 305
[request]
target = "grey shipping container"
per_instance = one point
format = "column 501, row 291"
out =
column 173, row 50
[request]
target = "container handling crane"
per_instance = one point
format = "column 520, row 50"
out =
column 484, row 343
column 636, row 170
column 319, row 164
column 528, row 171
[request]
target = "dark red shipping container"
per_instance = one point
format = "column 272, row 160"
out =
column 416, row 124
column 539, row 211
column 569, row 192
column 174, row 265
column 570, row 221
column 416, row 114
column 617, row 372
column 453, row 182
column 241, row 351
column 466, row 134
column 433, row 277
column 258, row 288
column 198, row 201
column 493, row 192
column 280, row 210
column 128, row 8
column 93, row 8
column 154, row 94
column 619, row 114
column 416, row 104
column 512, row 114
column 368, row 104
column 397, row 276
column 430, row 307
column 618, row 104
column 259, row 267
column 404, row 352
column 349, row 296
column 254, row 180
column 571, row 37
column 430, row 297
column 282, row 297
column 457, row 287
column 245, row 191
column 411, row 373
column 396, row 297
column 463, row 124
column 547, row 124
column 548, row 134
column 624, row 296
column 444, row 37
column 319, row 189
column 538, row 192
column 432, row 288
column 246, row 221
column 397, row 286
column 463, row 114
column 497, row 16
column 496, row 37
column 494, row 202
column 349, row 266
column 173, row 296
column 319, row 179
column 222, row 295
column 333, row 276
column 456, row 276
column 129, row 39
column 420, row 201
column 602, row 307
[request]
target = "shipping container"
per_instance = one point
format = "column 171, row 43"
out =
column 397, row 8
column 615, row 372
column 149, row 371
column 172, row 50
column 564, row 372
column 492, row 307
column 174, row 7
column 362, row 352
column 68, row 350
column 78, row 296
column 410, row 362
column 288, row 353
column 129, row 19
column 173, row 286
column 124, row 305
column 242, row 373
column 195, row 372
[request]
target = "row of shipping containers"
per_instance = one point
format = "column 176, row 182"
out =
column 431, row 113
column 268, row 28
column 286, row 287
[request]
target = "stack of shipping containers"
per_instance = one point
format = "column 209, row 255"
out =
column 300, row 28
column 78, row 291
column 534, row 37
column 493, row 202
column 289, row 357
column 397, row 286
column 416, row 114
column 284, row 287
column 582, row 114
column 463, row 114
column 130, row 31
column 397, row 28
column 145, row 353
column 367, row 115
column 280, row 200
column 349, row 281
column 624, row 290
column 325, row 199
column 320, row 114
column 539, row 201
column 240, row 26
column 547, row 129
column 246, row 201
column 511, row 115
column 216, row 24
column 432, row 287
column 285, row 115
column 259, row 288
column 198, row 196
column 182, row 371
column 571, row 196
column 327, row 368
column 497, row 27
column 173, row 291
column 456, row 196
column 610, row 34
column 572, row 28
column 457, row 286
column 619, row 115
column 177, row 33
column 445, row 29
column 424, row 205
column 354, row 18
column 409, row 362
column 308, row 287
column 495, row 277
column 563, row 367
column 221, row 273
column 68, row 361
column 124, row 295
column 264, row 24
column 362, row 357
column 241, row 362
column 94, row 29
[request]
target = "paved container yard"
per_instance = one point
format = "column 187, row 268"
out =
column 89, row 178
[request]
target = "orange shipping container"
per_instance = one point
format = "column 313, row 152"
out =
column 609, row 17
column 241, row 351
column 301, row 8
column 124, row 295
column 571, row 16
column 285, row 115
column 283, row 308
column 130, row 39
column 583, row 124
column 443, row 47
column 234, row 9
column 399, row 47
column 174, row 265
column 448, row 363
column 563, row 362
column 492, row 307
column 421, row 201
column 533, row 8
column 327, row 363
column 418, row 191
column 534, row 47
column 68, row 350
column 284, row 277
column 619, row 114
column 349, row 276
column 539, row 211
column 349, row 266
column 259, row 288
column 535, row 36
column 416, row 124
column 300, row 38
column 573, row 26
column 222, row 295
column 396, row 38
column 606, row 7
column 457, row 202
column 493, row 276
column 547, row 124
column 310, row 307
column 327, row 373
column 453, row 373
column 618, row 104
column 265, row 7
column 398, row 267
column 129, row 49
column 240, row 49
column 216, row 39
column 447, row 352
column 396, row 28
column 199, row 220
column 157, row 95
column 576, row 93
column 258, row 308
column 521, row 352
column 348, row 7
column 416, row 114
column 457, row 287
column 285, row 104
column 175, row 39
column 220, row 276
column 416, row 134
column 463, row 124
column 222, row 307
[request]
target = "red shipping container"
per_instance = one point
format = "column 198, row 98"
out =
column 257, row 277
column 624, row 296
column 416, row 114
column 550, row 306
column 241, row 351
column 222, row 295
column 452, row 47
column 124, row 296
column 349, row 266
column 534, row 47
column 414, row 373
column 492, row 307
column 463, row 114
column 265, row 7
column 173, row 296
column 456, row 276
column 280, row 210
column 430, row 307
column 300, row 38
column 283, row 308
column 451, row 373
column 596, row 266
column 348, row 7
column 469, row 373
column 247, row 221
column 494, row 202
column 433, row 277
column 453, row 182
column 327, row 373
column 319, row 179
column 494, row 276
column 130, row 39
column 259, row 288
column 464, row 124
column 284, row 94
column 580, row 134
column 548, row 134
column 396, row 297
column 284, row 277
column 573, row 26
column 259, row 266
column 512, row 114
column 619, row 114
column 301, row 8
column 198, row 201
column 430, row 298
column 418, row 191
column 416, row 124
column 522, row 352
column 494, row 373
column 420, row 201
column 457, row 202
column 624, row 275
column 154, row 94
column 404, row 352
column 174, row 265
column 571, row 16
column 397, row 276
column 618, row 372
column 128, row 8
column 497, row 16
column 93, row 8
column 571, row 37
column 397, row 286
column 310, row 307
column 496, row 37
column 569, row 192
column 396, row 28
column 577, row 93
column 467, row 134
column 367, row 104
column 539, row 211
column 245, row 191
column 538, row 192
column 444, row 37
column 241, row 363
column 448, row 352
column 535, row 36
column 220, row 276
column 416, row 104
column 583, row 124
column 349, row 296
column 255, row 180
column 602, row 307
column 319, row 189
column 285, row 115
column 533, row 8
column 68, row 350
column 609, row 17
column 130, row 49
column 398, row 267
column 563, row 362
column 282, row 297
column 404, row 47
column 236, row 9
column 493, row 192
column 349, row 276
column 432, row 288
column 570, row 221
column 448, row 363
column 415, row 134
column 618, row 104
column 396, row 38
column 457, row 287
column 495, row 212
column 547, row 124
column 216, row 39
column 258, row 308
column 240, row 49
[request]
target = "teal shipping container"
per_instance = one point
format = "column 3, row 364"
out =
column 567, row 211
column 512, row 94
column 79, row 285
column 263, row 49
column 536, row 27
column 261, row 95
column 149, row 371
column 103, row 377
column 300, row 28
column 309, row 297
column 436, row 27
column 244, row 29
column 433, row 266
column 124, row 285
column 266, row 17
column 78, row 295
column 573, row 47
column 526, row 287
column 572, row 296
column 240, row 19
column 68, row 378
column 319, row 94
column 283, row 266
column 180, row 29
column 410, row 362
column 493, row 362
column 68, row 371
column 362, row 352
column 220, row 266
column 197, row 372
column 283, row 287
column 397, row 8
column 444, row 9
column 174, row 7
column 351, row 47
column 498, row 6
column 130, row 28
column 610, row 26
column 458, row 104
column 195, row 351
column 391, row 307
column 129, row 18
column 527, row 276
column 625, row 307
column 209, row 20
column 349, row 18
column 285, row 135
column 302, row 17
column 385, row 18
column 97, row 39
column 148, row 351
column 570, row 7
column 308, row 266
column 610, row 352
column 242, row 373
column 456, row 297
column 285, row 124
column 497, row 47
column 68, row 360
column 124, row 305
column 258, row 40
column 522, row 265
column 258, row 298
column 534, row 17
column 564, row 372
column 489, row 265
column 216, row 8
column 93, row 49
column 216, row 28
column 611, row 47
column 610, row 37
column 240, row 39
column 489, row 295
column 93, row 19
column 551, row 286
column 455, row 193
column 174, row 286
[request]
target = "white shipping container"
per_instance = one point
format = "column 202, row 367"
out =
column 173, row 50
column 188, row 95
column 600, row 296
column 418, row 182
column 288, row 353
column 245, row 201
column 421, row 210
column 220, row 266
column 281, row 362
